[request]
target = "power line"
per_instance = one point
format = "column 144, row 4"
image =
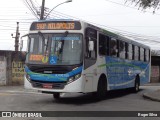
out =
column 30, row 8
column 6, row 26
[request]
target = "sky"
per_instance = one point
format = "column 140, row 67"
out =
column 115, row 15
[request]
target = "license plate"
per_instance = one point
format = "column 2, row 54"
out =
column 48, row 86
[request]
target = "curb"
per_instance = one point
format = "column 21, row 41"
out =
column 151, row 97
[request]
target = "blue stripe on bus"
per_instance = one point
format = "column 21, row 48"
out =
column 52, row 77
column 121, row 73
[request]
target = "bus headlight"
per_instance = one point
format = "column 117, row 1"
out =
column 28, row 77
column 73, row 78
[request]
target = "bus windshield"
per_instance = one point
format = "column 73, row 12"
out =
column 55, row 49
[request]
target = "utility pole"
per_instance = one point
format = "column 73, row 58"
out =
column 42, row 10
column 16, row 37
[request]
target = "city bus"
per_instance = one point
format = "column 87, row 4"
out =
column 73, row 56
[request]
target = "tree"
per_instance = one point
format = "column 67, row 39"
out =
column 155, row 4
column 155, row 53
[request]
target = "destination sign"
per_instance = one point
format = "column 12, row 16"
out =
column 56, row 25
column 65, row 38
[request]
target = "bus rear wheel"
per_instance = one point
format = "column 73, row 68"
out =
column 136, row 85
column 56, row 95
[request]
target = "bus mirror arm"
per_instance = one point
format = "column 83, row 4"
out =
column 21, row 43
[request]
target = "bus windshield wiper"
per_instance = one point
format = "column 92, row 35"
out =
column 43, row 38
column 63, row 36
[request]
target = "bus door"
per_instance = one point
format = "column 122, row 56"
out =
column 90, row 67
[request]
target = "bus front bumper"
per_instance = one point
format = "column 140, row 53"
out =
column 75, row 86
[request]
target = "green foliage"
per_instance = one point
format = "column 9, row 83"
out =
column 155, row 53
column 155, row 4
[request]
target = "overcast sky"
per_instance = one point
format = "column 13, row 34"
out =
column 113, row 15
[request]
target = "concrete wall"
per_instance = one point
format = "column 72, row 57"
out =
column 11, row 67
column 17, row 72
column 155, row 74
column 3, row 79
column 155, row 69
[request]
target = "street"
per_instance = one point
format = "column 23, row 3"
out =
column 16, row 98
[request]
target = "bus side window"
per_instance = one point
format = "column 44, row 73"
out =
column 133, row 52
column 103, row 44
column 136, row 52
column 113, row 47
column 141, row 54
column 147, row 56
column 122, row 49
column 139, row 58
column 91, row 35
column 108, row 49
column 126, row 51
column 130, row 52
column 118, row 52
column 92, row 54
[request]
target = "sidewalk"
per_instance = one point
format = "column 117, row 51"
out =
column 153, row 95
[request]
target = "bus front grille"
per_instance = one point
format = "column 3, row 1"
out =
column 53, row 85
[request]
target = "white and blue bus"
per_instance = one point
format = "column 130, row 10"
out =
column 66, row 56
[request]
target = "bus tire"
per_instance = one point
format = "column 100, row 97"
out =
column 101, row 89
column 56, row 95
column 137, row 84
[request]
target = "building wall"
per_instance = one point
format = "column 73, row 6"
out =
column 11, row 67
column 17, row 72
column 155, row 69
column 3, row 79
column 155, row 74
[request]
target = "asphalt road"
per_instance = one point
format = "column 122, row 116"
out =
column 15, row 98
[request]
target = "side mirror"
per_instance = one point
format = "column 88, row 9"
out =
column 91, row 46
column 21, row 45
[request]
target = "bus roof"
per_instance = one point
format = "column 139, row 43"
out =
column 48, row 20
column 105, row 31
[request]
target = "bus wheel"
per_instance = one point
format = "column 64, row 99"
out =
column 101, row 89
column 56, row 95
column 136, row 86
